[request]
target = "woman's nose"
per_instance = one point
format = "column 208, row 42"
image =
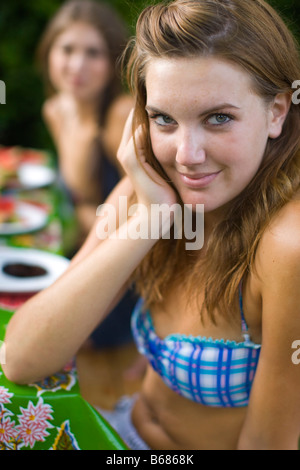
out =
column 190, row 148
column 77, row 62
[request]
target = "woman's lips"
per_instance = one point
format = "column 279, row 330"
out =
column 77, row 83
column 199, row 180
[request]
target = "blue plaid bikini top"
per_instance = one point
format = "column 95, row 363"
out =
column 216, row 373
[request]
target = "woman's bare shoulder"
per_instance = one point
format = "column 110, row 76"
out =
column 121, row 107
column 284, row 229
column 115, row 122
column 279, row 248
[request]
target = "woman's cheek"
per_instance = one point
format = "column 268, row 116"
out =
column 162, row 147
column 102, row 72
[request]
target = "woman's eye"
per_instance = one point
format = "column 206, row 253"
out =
column 67, row 49
column 218, row 119
column 96, row 53
column 162, row 120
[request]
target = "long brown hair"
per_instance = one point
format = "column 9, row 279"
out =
column 251, row 34
column 107, row 22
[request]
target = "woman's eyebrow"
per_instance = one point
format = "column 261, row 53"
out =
column 153, row 109
column 207, row 111
column 219, row 107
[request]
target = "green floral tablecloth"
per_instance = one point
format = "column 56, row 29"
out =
column 50, row 415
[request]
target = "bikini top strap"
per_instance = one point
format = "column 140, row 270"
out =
column 244, row 324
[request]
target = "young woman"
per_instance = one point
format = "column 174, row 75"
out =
column 214, row 124
column 86, row 108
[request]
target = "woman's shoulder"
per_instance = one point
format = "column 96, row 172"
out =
column 279, row 247
column 115, row 122
column 285, row 225
column 121, row 106
column 276, row 277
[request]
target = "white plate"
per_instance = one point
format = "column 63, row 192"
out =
column 32, row 218
column 33, row 176
column 54, row 265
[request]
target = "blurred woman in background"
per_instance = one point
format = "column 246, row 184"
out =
column 86, row 108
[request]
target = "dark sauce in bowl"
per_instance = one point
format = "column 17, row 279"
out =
column 23, row 270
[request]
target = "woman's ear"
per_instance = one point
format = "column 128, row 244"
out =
column 278, row 113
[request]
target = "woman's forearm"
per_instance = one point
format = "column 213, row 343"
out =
column 48, row 329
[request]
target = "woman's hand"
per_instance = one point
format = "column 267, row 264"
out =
column 149, row 187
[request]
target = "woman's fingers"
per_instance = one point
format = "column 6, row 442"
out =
column 149, row 186
column 127, row 134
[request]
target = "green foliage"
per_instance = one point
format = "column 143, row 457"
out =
column 21, row 26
